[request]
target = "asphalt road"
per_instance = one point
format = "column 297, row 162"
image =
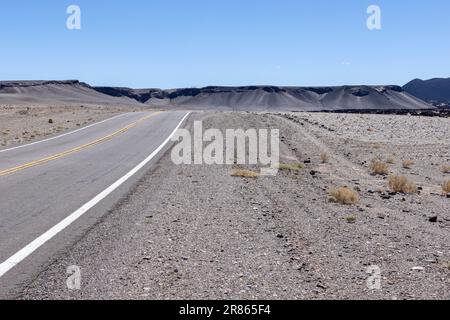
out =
column 53, row 191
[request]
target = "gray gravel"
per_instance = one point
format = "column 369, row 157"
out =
column 195, row 232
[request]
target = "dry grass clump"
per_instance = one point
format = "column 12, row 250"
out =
column 376, row 146
column 378, row 167
column 400, row 184
column 445, row 168
column 344, row 195
column 244, row 173
column 351, row 219
column 447, row 265
column 446, row 186
column 390, row 160
column 290, row 166
column 324, row 158
column 407, row 164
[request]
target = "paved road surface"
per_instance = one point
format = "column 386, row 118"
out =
column 51, row 192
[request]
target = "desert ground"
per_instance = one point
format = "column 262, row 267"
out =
column 197, row 232
column 26, row 123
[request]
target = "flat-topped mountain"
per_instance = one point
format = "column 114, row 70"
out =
column 55, row 92
column 275, row 98
column 251, row 98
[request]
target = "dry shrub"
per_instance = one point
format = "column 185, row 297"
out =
column 344, row 195
column 401, row 184
column 243, row 173
column 446, row 186
column 290, row 166
column 378, row 167
column 445, row 168
column 407, row 164
column 390, row 160
column 376, row 146
column 324, row 158
column 351, row 219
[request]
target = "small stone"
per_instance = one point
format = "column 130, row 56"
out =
column 417, row 268
column 321, row 286
column 433, row 219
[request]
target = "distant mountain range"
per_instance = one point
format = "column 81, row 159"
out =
column 435, row 90
column 251, row 98
column 275, row 98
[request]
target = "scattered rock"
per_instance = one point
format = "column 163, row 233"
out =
column 433, row 219
column 321, row 286
column 418, row 269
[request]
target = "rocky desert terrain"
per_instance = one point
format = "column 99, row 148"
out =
column 311, row 232
column 22, row 124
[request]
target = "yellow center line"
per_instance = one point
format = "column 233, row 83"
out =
column 76, row 149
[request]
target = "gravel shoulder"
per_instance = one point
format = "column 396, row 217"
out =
column 195, row 232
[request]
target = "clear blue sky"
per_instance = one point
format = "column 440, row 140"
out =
column 179, row 43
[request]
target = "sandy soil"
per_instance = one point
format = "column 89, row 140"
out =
column 21, row 124
column 195, row 232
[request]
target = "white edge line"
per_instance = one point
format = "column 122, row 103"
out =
column 64, row 134
column 34, row 245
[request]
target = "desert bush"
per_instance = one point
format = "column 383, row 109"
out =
column 290, row 166
column 243, row 173
column 390, row 160
column 407, row 164
column 378, row 167
column 351, row 219
column 344, row 195
column 324, row 158
column 445, row 168
column 446, row 186
column 376, row 146
column 400, row 184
